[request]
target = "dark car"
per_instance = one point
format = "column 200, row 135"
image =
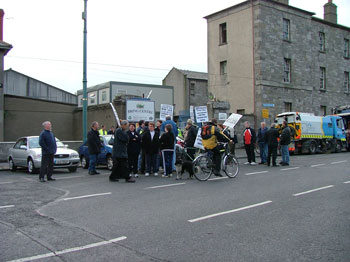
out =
column 104, row 158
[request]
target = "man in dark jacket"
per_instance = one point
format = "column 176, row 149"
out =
column 150, row 147
column 120, row 154
column 134, row 148
column 249, row 139
column 190, row 138
column 47, row 141
column 271, row 139
column 262, row 144
column 284, row 142
column 94, row 147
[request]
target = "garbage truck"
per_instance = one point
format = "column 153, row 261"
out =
column 314, row 134
column 344, row 113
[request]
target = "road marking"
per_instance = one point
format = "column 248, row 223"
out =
column 338, row 162
column 78, row 197
column 168, row 185
column 228, row 212
column 318, row 165
column 67, row 177
column 347, row 182
column 57, row 253
column 254, row 173
column 7, row 206
column 290, row 168
column 217, row 178
column 3, row 183
column 313, row 190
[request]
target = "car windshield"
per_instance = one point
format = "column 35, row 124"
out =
column 106, row 139
column 34, row 142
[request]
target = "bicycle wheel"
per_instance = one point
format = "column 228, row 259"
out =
column 203, row 166
column 231, row 166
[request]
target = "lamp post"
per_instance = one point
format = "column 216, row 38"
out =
column 85, row 101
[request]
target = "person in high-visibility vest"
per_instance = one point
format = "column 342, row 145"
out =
column 103, row 130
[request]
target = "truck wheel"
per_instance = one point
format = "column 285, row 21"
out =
column 338, row 147
column 312, row 147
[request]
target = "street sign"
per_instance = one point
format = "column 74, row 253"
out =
column 268, row 105
column 265, row 113
column 201, row 114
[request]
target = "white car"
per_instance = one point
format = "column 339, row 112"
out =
column 27, row 153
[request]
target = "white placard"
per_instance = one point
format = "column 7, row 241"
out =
column 192, row 113
column 222, row 116
column 166, row 110
column 201, row 114
column 198, row 143
column 137, row 110
column 115, row 114
column 232, row 120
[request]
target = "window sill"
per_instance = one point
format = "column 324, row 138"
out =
column 322, row 52
column 221, row 44
column 287, row 41
column 347, row 92
column 323, row 90
column 346, row 57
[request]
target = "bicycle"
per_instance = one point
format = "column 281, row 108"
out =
column 204, row 166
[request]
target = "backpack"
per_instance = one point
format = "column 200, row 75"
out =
column 209, row 140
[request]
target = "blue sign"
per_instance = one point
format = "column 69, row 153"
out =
column 268, row 105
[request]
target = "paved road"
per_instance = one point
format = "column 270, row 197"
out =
column 296, row 213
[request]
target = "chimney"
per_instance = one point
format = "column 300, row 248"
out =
column 1, row 23
column 286, row 2
column 330, row 12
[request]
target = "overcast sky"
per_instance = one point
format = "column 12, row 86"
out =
column 128, row 41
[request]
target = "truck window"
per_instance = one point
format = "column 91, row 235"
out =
column 330, row 125
column 340, row 123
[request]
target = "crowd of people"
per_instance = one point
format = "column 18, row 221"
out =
column 143, row 150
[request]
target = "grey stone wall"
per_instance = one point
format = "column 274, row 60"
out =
column 200, row 97
column 303, row 49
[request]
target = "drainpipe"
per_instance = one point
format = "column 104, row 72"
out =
column 253, row 51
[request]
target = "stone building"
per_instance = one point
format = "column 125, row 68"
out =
column 266, row 57
column 4, row 49
column 190, row 88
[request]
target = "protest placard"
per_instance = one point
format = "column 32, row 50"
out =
column 232, row 120
column 201, row 114
column 166, row 110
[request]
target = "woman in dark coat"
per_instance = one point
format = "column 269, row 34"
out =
column 134, row 148
column 150, row 147
column 167, row 142
column 120, row 154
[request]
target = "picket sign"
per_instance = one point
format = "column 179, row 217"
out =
column 192, row 114
column 201, row 114
column 115, row 114
column 232, row 120
column 198, row 143
column 166, row 110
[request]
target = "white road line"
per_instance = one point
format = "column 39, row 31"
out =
column 338, row 162
column 347, row 182
column 7, row 206
column 3, row 183
column 313, row 190
column 78, row 197
column 290, row 168
column 228, row 212
column 66, row 177
column 254, row 173
column 318, row 165
column 168, row 185
column 57, row 253
column 217, row 178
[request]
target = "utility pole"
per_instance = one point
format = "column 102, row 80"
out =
column 85, row 101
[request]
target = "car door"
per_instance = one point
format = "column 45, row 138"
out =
column 101, row 158
column 19, row 152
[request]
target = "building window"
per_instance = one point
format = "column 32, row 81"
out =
column 241, row 111
column 322, row 78
column 223, row 67
column 286, row 69
column 223, row 34
column 192, row 89
column 346, row 48
column 346, row 82
column 287, row 107
column 286, row 29
column 322, row 41
column 323, row 110
column 104, row 96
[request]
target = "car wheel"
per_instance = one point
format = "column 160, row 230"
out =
column 72, row 169
column 109, row 162
column 31, row 167
column 84, row 163
column 12, row 166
